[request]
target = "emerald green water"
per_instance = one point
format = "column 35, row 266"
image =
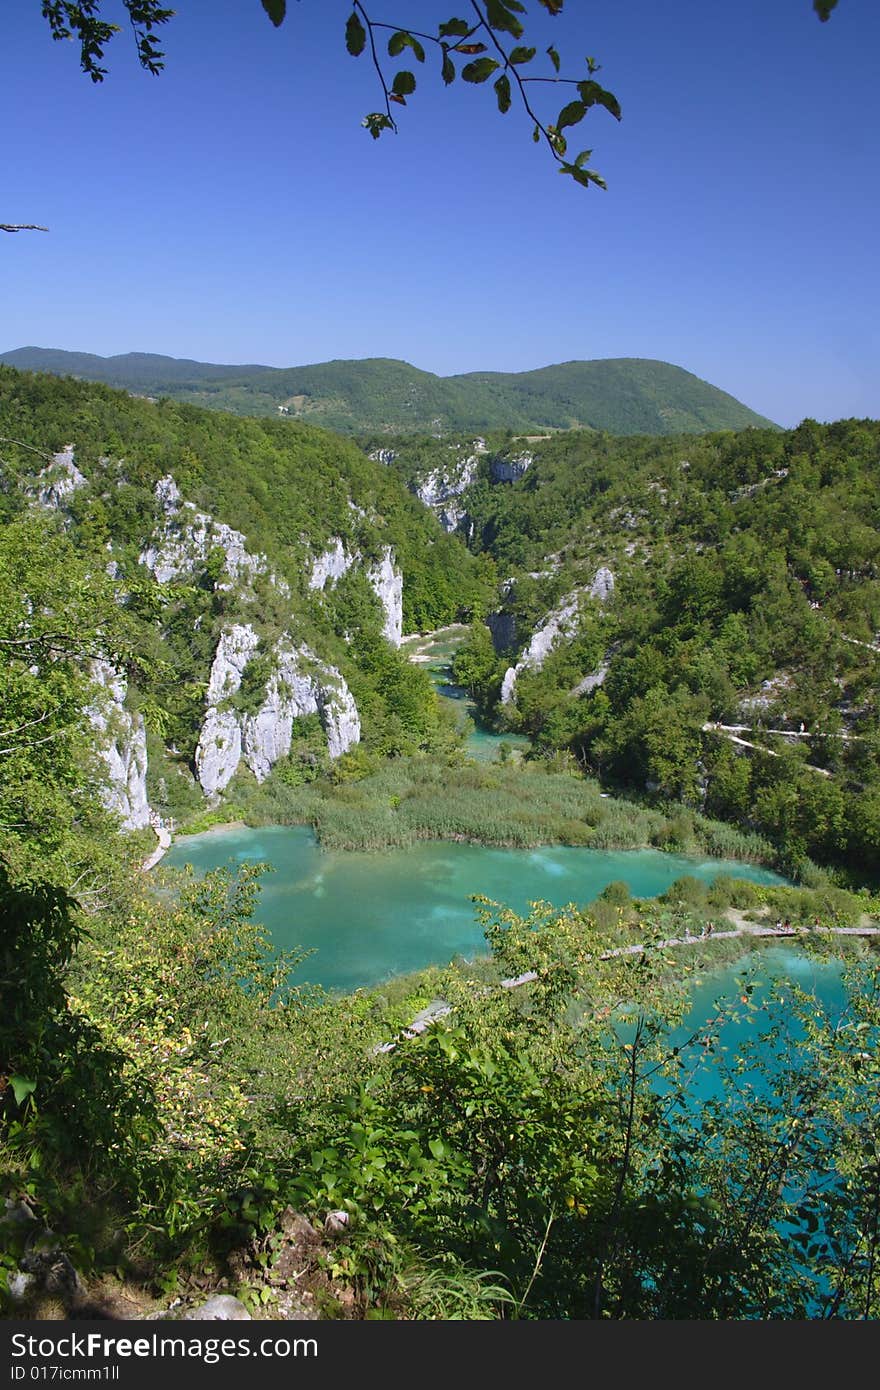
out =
column 369, row 917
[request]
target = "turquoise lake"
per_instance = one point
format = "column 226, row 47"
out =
column 369, row 917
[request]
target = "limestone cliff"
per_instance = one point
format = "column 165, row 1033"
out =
column 387, row 583
column 383, row 576
column 330, row 566
column 59, row 480
column 185, row 537
column 560, row 625
column 442, row 488
column 121, row 744
column 300, row 684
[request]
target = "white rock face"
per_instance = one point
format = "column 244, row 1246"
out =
column 219, row 749
column 440, row 489
column 602, row 586
column 331, row 565
column 300, row 685
column 508, row 685
column 386, row 582
column 559, row 625
column 122, row 745
column 186, row 537
column 508, row 470
column 384, row 579
column 59, row 479
column 592, row 681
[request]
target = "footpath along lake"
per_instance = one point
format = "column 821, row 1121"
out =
column 372, row 916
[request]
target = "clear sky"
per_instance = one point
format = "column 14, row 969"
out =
column 234, row 210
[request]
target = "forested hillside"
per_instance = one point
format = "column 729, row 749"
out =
column 746, row 595
column 198, row 610
column 623, row 395
column 256, row 563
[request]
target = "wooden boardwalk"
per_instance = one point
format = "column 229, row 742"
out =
column 439, row 1008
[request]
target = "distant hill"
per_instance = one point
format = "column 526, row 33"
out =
column 622, row 395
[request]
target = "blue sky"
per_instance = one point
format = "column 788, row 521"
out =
column 234, row 210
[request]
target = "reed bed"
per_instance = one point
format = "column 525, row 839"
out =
column 523, row 806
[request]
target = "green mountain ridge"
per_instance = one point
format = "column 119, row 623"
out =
column 615, row 395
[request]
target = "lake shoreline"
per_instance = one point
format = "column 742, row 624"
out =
column 485, row 842
column 375, row 917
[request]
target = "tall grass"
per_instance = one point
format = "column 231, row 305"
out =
column 521, row 806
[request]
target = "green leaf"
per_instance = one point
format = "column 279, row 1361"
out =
column 22, row 1088
column 479, row 70
column 521, row 55
column 401, row 40
column 571, row 114
column 276, row 10
column 554, row 57
column 823, row 8
column 592, row 94
column 355, row 35
column 448, row 69
column 500, row 17
column 376, row 122
column 404, row 83
column 502, row 91
column 437, row 1147
column 583, row 176
column 454, row 29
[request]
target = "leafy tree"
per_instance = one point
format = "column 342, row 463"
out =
column 493, row 40
column 58, row 614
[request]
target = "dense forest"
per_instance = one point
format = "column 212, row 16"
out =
column 746, row 596
column 182, row 1117
column 623, row 395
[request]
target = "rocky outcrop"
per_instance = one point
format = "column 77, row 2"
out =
column 59, row 480
column 221, row 1307
column 502, row 626
column 186, row 537
column 592, row 681
column 331, row 565
column 559, row 625
column 386, row 456
column 300, row 684
column 441, row 489
column 386, row 582
column 219, row 749
column 383, row 577
column 508, row 470
column 121, row 743
column 602, row 586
